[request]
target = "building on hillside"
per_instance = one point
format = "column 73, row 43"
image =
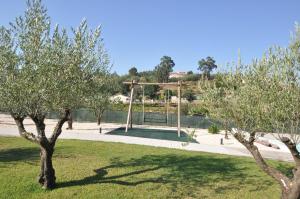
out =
column 174, row 100
column 120, row 98
column 177, row 74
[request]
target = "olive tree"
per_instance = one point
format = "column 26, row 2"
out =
column 264, row 97
column 44, row 70
column 219, row 107
column 102, row 87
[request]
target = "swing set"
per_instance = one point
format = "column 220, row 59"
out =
column 165, row 86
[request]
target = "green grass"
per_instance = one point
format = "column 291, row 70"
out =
column 86, row 169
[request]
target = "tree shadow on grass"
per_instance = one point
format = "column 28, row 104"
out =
column 99, row 178
column 177, row 171
column 19, row 154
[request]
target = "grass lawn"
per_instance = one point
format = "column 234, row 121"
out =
column 86, row 169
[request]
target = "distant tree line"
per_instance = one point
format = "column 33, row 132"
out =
column 161, row 73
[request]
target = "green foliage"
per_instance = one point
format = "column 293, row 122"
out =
column 261, row 97
column 43, row 70
column 198, row 110
column 102, row 87
column 151, row 91
column 173, row 79
column 207, row 65
column 295, row 42
column 148, row 75
column 189, row 95
column 133, row 72
column 213, row 129
column 124, row 88
column 162, row 71
column 185, row 109
column 191, row 77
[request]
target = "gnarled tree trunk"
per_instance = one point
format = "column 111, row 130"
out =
column 70, row 122
column 290, row 188
column 294, row 185
column 47, row 173
column 294, row 190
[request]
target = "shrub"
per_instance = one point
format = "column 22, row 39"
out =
column 184, row 109
column 189, row 95
column 192, row 77
column 213, row 129
column 198, row 111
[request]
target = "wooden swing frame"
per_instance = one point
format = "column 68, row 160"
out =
column 170, row 86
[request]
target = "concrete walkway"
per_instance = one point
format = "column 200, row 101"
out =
column 207, row 142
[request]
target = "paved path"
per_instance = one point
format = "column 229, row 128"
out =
column 207, row 142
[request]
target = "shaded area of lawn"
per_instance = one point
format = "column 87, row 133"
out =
column 19, row 154
column 86, row 169
column 179, row 171
column 161, row 134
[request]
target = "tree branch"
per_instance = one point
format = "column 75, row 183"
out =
column 292, row 147
column 283, row 180
column 39, row 123
column 58, row 128
column 22, row 131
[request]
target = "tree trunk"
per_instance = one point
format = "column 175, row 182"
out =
column 289, row 190
column 293, row 193
column 294, row 188
column 227, row 129
column 283, row 181
column 70, row 122
column 47, row 173
column 98, row 119
column 42, row 167
column 226, row 134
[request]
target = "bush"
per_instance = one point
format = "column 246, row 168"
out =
column 213, row 129
column 184, row 109
column 198, row 111
column 189, row 95
column 174, row 79
column 192, row 77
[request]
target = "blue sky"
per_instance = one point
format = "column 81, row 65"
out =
column 139, row 32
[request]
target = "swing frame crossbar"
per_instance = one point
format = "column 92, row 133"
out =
column 166, row 86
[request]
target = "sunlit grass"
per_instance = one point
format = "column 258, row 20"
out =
column 86, row 169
